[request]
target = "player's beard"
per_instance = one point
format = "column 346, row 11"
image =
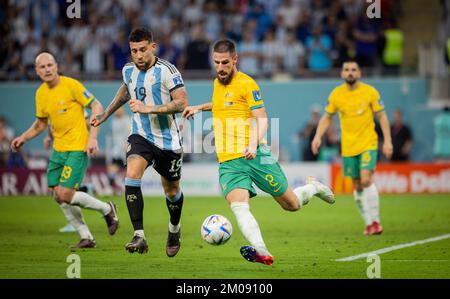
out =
column 227, row 79
column 143, row 67
column 351, row 81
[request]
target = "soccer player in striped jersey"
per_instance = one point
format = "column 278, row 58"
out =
column 243, row 153
column 155, row 92
column 357, row 102
column 61, row 100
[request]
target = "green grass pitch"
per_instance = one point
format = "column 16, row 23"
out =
column 305, row 243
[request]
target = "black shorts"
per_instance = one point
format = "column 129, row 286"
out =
column 166, row 162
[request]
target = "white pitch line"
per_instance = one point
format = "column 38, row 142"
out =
column 392, row 248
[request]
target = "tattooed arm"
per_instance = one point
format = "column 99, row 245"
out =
column 179, row 102
column 122, row 96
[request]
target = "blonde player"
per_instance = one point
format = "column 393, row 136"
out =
column 243, row 154
column 61, row 100
column 357, row 102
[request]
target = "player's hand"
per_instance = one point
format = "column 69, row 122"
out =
column 137, row 106
column 189, row 111
column 17, row 143
column 92, row 147
column 387, row 149
column 47, row 142
column 315, row 145
column 250, row 153
column 98, row 119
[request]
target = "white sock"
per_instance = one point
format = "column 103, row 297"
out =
column 140, row 233
column 363, row 206
column 74, row 216
column 373, row 199
column 304, row 193
column 174, row 228
column 86, row 201
column 248, row 226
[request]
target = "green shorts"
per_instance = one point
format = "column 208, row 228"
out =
column 264, row 171
column 352, row 166
column 66, row 169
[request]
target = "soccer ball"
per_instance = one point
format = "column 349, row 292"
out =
column 216, row 230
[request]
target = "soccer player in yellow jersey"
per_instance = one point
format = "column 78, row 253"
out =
column 240, row 124
column 61, row 100
column 357, row 102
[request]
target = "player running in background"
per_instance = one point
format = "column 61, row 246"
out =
column 357, row 102
column 243, row 153
column 61, row 100
column 155, row 91
column 48, row 141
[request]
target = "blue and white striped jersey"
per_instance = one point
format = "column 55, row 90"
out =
column 153, row 87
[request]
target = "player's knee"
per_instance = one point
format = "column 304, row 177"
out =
column 295, row 207
column 63, row 195
column 133, row 174
column 171, row 193
column 56, row 198
column 291, row 206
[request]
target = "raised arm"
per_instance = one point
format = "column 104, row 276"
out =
column 122, row 96
column 39, row 126
column 322, row 127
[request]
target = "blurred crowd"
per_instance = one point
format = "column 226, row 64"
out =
column 8, row 158
column 301, row 38
column 296, row 37
column 113, row 155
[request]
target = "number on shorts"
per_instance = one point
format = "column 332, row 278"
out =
column 176, row 165
column 272, row 182
column 67, row 171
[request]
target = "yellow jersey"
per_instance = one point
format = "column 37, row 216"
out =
column 356, row 114
column 232, row 117
column 64, row 106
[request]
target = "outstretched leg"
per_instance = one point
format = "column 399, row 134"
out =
column 258, row 252
column 75, row 218
column 292, row 200
column 84, row 200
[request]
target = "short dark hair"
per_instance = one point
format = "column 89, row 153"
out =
column 224, row 46
column 140, row 34
column 350, row 60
